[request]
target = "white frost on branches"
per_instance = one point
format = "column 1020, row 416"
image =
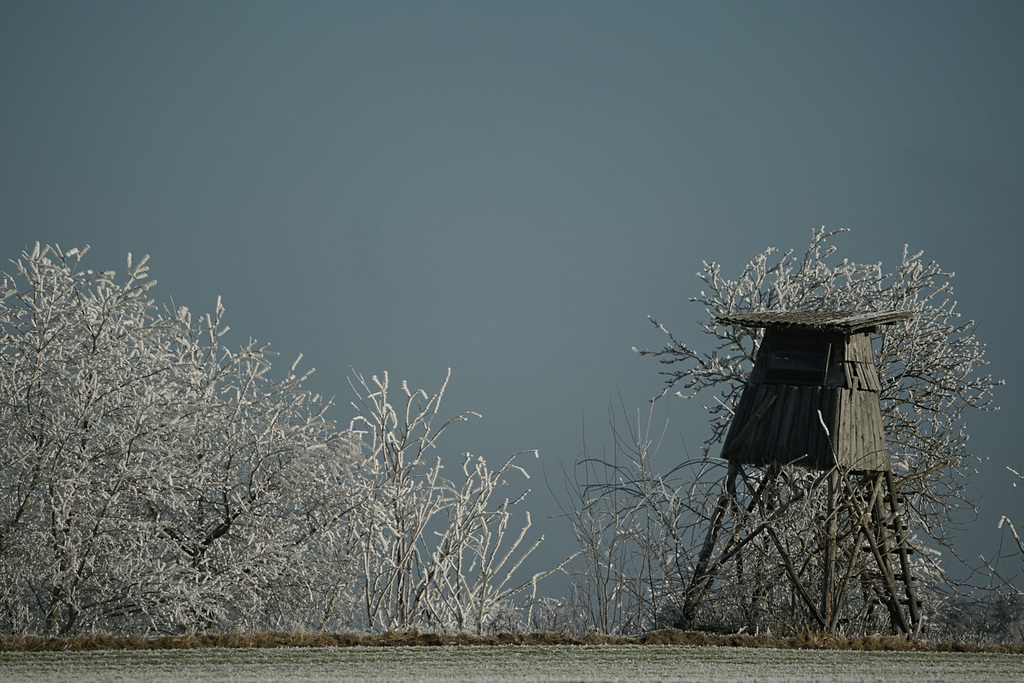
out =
column 435, row 552
column 656, row 527
column 928, row 365
column 153, row 480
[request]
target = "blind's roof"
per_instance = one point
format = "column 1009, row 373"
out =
column 841, row 321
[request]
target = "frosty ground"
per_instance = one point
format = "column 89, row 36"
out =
column 509, row 663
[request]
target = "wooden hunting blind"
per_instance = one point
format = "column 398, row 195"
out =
column 812, row 401
column 812, row 396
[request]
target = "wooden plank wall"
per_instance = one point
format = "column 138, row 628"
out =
column 790, row 429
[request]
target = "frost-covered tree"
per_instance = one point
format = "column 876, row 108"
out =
column 930, row 370
column 153, row 479
column 929, row 365
column 436, row 552
column 150, row 478
column 260, row 512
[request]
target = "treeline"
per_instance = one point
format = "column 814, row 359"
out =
column 154, row 480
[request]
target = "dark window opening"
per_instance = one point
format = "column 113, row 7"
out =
column 797, row 364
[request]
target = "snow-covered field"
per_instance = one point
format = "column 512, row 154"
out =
column 508, row 663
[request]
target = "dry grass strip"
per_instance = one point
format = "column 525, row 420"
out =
column 416, row 638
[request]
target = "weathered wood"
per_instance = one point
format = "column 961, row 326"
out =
column 831, row 531
column 792, row 432
column 765, row 404
column 875, row 534
column 703, row 577
column 903, row 550
column 794, row 577
column 847, row 321
column 812, row 399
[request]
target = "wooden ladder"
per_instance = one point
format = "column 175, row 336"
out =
column 886, row 540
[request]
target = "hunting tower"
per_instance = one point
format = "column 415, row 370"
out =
column 812, row 401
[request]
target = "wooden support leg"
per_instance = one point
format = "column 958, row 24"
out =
column 794, row 576
column 855, row 525
column 828, row 611
column 702, row 579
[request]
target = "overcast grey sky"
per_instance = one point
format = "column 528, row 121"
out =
column 509, row 189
